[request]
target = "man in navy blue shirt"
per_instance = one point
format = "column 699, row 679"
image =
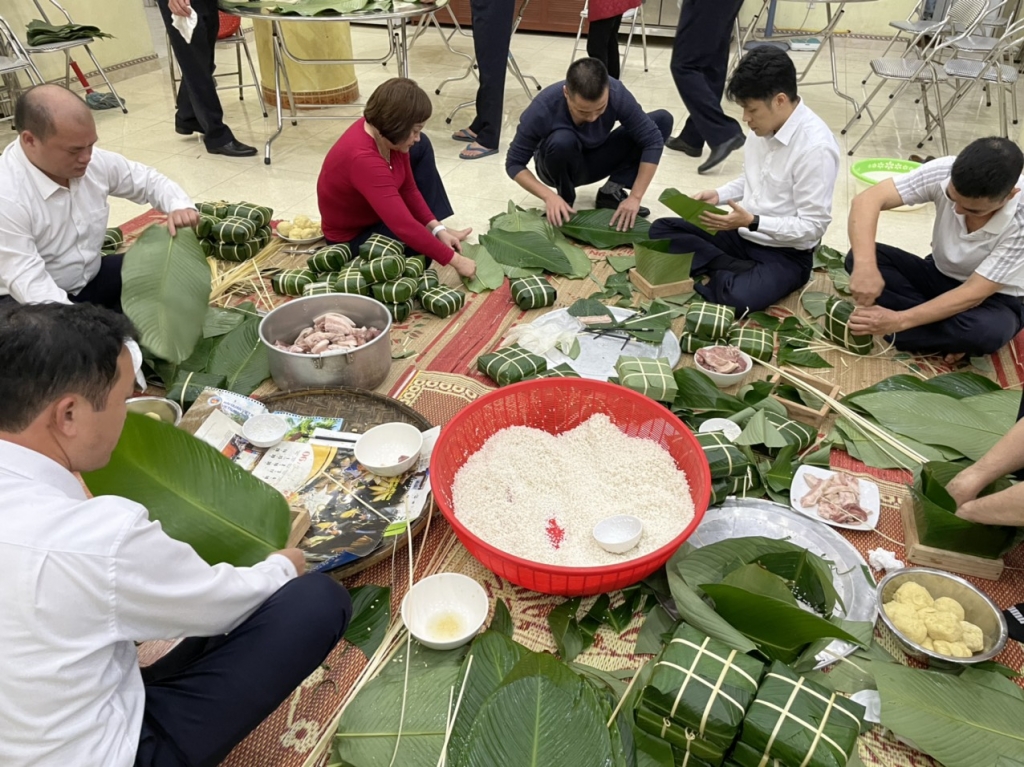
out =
column 569, row 132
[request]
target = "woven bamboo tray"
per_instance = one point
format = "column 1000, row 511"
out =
column 362, row 410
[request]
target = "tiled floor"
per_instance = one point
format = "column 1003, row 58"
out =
column 480, row 188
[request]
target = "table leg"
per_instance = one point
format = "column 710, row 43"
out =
column 403, row 49
column 278, row 66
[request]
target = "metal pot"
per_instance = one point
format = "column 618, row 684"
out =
column 362, row 368
column 166, row 410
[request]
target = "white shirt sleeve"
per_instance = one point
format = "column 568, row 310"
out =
column 734, row 191
column 925, row 184
column 142, row 184
column 22, row 270
column 164, row 590
column 814, row 180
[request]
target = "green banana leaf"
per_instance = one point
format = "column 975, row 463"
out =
column 939, row 526
column 656, row 626
column 542, row 714
column 956, row 385
column 489, row 274
column 219, row 321
column 199, row 496
column 241, row 358
column 526, row 249
column 815, row 303
column 594, row 227
column 698, row 393
column 501, row 622
column 953, row 720
column 828, row 258
column 513, row 272
column 516, row 219
column 494, row 656
column 758, row 580
column 565, row 629
column 808, row 577
column 760, row 431
column 589, row 307
column 188, row 385
column 695, row 611
column 371, row 614
column 658, row 266
column 791, row 354
column 41, row 33
column 971, row 425
column 688, row 208
column 581, row 263
column 368, row 730
column 873, row 452
column 840, row 279
column 781, row 631
column 165, row 291
column 621, row 263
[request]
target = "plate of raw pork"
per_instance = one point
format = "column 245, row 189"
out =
column 835, row 498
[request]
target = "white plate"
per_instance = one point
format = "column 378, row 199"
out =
column 869, row 499
column 307, row 241
column 598, row 354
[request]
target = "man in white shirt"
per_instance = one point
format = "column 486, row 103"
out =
column 762, row 250
column 966, row 297
column 82, row 580
column 54, row 184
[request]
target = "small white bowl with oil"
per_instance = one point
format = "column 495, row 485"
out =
column 445, row 610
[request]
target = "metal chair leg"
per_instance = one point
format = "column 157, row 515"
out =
column 255, row 80
column 629, row 41
column 110, row 87
column 238, row 61
column 643, row 34
column 576, row 44
column 874, row 123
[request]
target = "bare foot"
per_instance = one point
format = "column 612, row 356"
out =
column 952, row 359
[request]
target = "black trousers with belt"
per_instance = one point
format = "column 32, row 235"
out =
column 700, row 59
column 492, row 35
column 198, row 105
column 208, row 693
column 911, row 281
column 563, row 162
column 745, row 275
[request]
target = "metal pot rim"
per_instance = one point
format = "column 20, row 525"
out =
column 385, row 331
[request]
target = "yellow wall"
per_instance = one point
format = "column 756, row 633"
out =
column 125, row 19
column 862, row 18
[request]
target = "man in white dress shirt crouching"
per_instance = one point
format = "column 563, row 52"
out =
column 763, row 250
column 54, row 185
column 82, row 580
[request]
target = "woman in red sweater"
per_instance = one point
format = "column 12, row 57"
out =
column 380, row 178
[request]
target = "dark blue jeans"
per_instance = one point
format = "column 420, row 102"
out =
column 206, row 695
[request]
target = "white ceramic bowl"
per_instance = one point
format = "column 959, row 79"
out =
column 731, row 429
column 265, row 430
column 390, row 449
column 724, row 380
column 618, row 534
column 445, row 610
column 162, row 409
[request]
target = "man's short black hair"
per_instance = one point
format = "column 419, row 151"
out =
column 51, row 350
column 761, row 74
column 987, row 168
column 587, row 79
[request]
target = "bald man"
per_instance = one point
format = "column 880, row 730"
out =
column 54, row 185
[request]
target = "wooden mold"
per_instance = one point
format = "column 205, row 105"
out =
column 659, row 291
column 800, row 412
column 952, row 561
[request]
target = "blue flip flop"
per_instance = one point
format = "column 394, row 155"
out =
column 476, row 154
column 463, row 134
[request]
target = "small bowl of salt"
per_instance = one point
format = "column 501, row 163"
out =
column 618, row 534
column 389, row 450
column 265, row 430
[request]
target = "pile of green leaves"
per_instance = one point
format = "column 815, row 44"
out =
column 518, row 709
column 594, row 228
column 574, row 634
column 745, row 592
column 946, row 418
column 523, row 243
column 189, row 344
column 41, row 33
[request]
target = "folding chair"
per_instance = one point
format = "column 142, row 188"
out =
column 631, row 15
column 65, row 48
column 926, row 71
column 13, row 59
column 230, row 34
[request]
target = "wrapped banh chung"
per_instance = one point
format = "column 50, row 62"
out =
column 697, row 696
column 797, row 722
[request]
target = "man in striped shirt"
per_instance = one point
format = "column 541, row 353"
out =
column 966, row 297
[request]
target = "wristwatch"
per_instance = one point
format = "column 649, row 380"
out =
column 754, row 224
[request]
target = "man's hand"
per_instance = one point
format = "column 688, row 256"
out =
column 875, row 321
column 296, row 557
column 465, row 267
column 866, row 285
column 990, row 513
column 453, row 238
column 180, row 7
column 708, row 195
column 964, row 487
column 734, row 219
column 558, row 210
column 625, row 215
column 180, row 219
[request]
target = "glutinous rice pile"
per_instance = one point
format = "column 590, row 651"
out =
column 510, row 490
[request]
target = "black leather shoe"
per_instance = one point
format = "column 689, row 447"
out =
column 677, row 143
column 720, row 152
column 611, row 201
column 233, row 148
column 184, row 130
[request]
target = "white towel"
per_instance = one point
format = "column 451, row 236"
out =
column 186, row 24
column 136, row 352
